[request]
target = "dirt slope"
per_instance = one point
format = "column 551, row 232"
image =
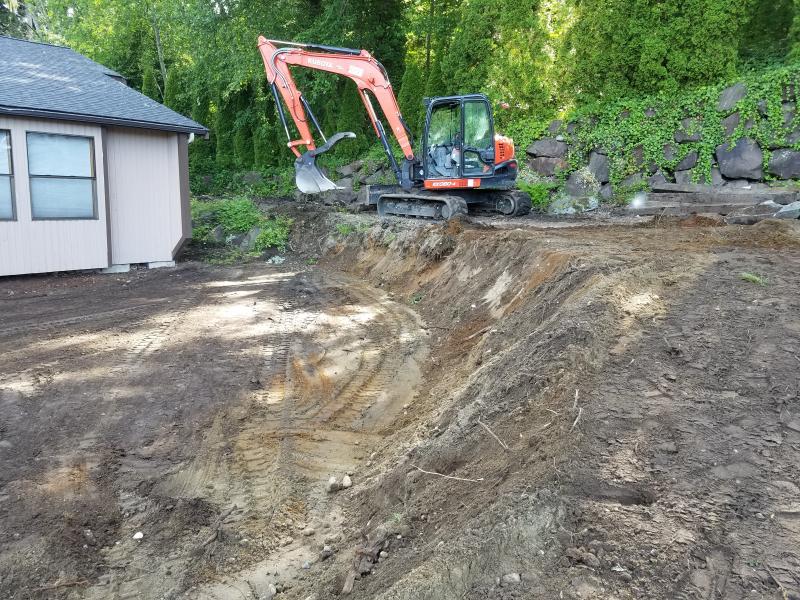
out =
column 647, row 397
column 597, row 412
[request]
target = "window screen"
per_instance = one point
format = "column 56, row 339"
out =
column 61, row 169
column 6, row 178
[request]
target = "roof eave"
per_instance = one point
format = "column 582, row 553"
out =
column 16, row 111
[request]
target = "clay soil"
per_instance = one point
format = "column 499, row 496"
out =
column 525, row 411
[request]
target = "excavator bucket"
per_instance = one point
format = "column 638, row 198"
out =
column 308, row 177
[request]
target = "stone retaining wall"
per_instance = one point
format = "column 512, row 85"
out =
column 736, row 163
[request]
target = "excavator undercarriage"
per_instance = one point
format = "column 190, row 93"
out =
column 393, row 200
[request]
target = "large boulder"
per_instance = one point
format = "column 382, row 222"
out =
column 582, row 184
column 688, row 162
column 730, row 96
column 744, row 184
column 785, row 164
column 351, row 169
column 598, row 166
column 548, row 166
column 730, row 123
column 252, row 178
column 788, row 110
column 690, row 131
column 684, row 176
column 549, row 147
column 742, row 161
column 378, row 177
column 216, row 235
column 632, row 180
column 790, row 211
column 657, row 178
column 750, row 215
column 554, row 127
column 248, row 241
column 567, row 205
column 638, row 156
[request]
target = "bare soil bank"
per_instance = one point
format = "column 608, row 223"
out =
column 597, row 412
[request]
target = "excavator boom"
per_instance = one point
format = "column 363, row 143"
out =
column 371, row 80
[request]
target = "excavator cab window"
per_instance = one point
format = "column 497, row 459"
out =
column 444, row 140
column 478, row 139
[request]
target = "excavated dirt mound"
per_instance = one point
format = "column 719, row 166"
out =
column 524, row 412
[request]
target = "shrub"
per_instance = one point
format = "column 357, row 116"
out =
column 344, row 229
column 274, row 234
column 240, row 215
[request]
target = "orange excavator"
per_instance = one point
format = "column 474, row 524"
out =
column 462, row 164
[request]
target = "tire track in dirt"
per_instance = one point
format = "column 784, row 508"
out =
column 203, row 478
column 308, row 421
column 40, row 326
column 263, row 448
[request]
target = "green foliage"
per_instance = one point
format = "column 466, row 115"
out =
column 544, row 58
column 239, row 215
column 540, row 193
column 753, row 278
column 149, row 85
column 635, row 130
column 274, row 234
column 20, row 19
column 412, row 91
column 224, row 132
column 344, row 229
column 766, row 38
column 623, row 47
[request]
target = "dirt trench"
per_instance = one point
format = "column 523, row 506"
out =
column 599, row 412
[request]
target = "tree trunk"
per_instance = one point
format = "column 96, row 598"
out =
column 428, row 40
column 160, row 51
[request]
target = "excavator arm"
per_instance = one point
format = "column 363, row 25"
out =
column 368, row 75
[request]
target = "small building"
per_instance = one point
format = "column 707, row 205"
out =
column 93, row 174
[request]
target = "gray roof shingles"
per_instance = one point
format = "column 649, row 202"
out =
column 41, row 80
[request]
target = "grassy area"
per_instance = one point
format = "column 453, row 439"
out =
column 234, row 229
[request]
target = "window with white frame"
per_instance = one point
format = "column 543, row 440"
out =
column 62, row 176
column 7, row 208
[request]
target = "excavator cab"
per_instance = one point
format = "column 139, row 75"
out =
column 459, row 138
column 460, row 149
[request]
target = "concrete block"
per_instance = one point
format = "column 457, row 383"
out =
column 116, row 269
column 161, row 264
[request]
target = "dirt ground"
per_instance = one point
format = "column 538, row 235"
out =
column 524, row 410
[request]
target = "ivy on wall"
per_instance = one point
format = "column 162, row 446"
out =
column 633, row 132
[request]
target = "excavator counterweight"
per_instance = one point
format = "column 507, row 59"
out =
column 459, row 153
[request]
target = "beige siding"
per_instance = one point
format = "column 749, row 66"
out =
column 144, row 194
column 28, row 246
